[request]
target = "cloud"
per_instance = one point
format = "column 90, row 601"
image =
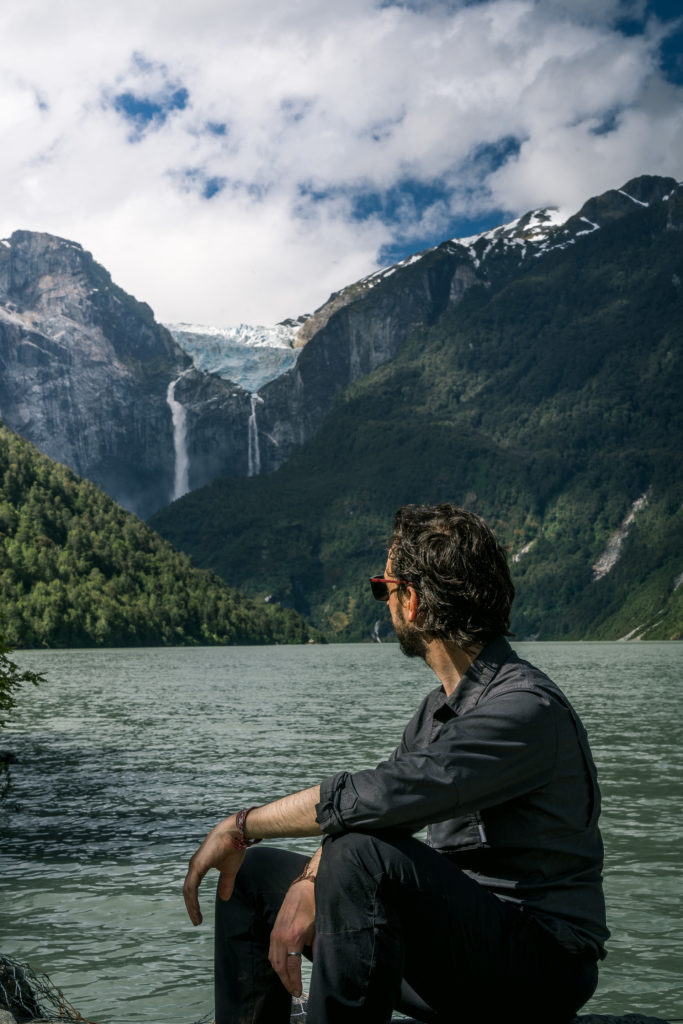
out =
column 231, row 161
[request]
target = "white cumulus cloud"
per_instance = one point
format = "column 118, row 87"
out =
column 231, row 161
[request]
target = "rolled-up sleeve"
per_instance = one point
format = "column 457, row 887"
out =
column 496, row 752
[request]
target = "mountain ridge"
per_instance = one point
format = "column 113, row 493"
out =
column 87, row 370
column 543, row 354
column 370, row 320
column 546, row 399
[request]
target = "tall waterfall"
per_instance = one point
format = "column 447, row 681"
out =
column 253, row 450
column 182, row 461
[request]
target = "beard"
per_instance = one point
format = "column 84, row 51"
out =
column 410, row 640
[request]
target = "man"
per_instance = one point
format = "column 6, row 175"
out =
column 500, row 915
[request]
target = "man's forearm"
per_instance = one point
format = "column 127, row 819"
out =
column 289, row 817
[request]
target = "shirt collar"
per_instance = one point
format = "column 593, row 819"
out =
column 478, row 676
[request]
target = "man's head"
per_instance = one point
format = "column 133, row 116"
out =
column 459, row 572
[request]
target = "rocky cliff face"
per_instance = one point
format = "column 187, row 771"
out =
column 356, row 331
column 84, row 369
column 366, row 324
column 218, row 414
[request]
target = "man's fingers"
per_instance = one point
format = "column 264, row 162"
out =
column 200, row 863
column 286, row 962
column 217, row 851
column 191, row 895
column 293, row 974
column 225, row 886
column 192, row 907
column 293, row 930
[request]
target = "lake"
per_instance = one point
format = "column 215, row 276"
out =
column 126, row 758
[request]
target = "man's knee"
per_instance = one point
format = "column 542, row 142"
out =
column 348, row 851
column 377, row 855
column 355, row 860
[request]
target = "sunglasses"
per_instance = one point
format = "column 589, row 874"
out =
column 380, row 587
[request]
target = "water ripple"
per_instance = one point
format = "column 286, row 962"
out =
column 127, row 758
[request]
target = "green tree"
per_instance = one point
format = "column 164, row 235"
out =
column 11, row 678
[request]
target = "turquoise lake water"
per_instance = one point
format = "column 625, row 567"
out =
column 125, row 759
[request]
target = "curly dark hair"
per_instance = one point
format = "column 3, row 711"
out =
column 458, row 569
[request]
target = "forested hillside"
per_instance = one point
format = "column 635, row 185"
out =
column 548, row 401
column 76, row 570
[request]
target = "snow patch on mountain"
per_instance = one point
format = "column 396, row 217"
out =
column 633, row 199
column 591, row 227
column 533, row 231
column 610, row 556
column 532, row 227
column 250, row 356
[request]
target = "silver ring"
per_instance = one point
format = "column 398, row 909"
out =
column 294, row 954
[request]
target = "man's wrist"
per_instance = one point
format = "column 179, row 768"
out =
column 238, row 833
column 307, row 875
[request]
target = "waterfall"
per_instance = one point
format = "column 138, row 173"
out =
column 253, row 450
column 181, row 483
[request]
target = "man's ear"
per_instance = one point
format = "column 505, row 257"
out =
column 413, row 604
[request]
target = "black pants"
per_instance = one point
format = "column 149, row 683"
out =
column 398, row 926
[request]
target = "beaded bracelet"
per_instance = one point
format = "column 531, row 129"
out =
column 242, row 843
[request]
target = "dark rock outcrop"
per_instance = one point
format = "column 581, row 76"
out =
column 84, row 369
column 217, row 413
column 357, row 331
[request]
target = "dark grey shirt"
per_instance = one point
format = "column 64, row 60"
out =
column 502, row 773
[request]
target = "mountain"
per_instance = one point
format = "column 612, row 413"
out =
column 85, row 369
column 532, row 374
column 76, row 570
column 89, row 376
column 149, row 413
column 366, row 324
column 542, row 356
column 145, row 412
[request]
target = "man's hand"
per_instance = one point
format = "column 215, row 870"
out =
column 290, row 816
column 294, row 928
column 217, row 851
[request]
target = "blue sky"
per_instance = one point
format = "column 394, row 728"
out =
column 238, row 161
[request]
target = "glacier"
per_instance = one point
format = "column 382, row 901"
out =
column 249, row 356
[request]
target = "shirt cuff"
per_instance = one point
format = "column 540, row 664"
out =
column 328, row 811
